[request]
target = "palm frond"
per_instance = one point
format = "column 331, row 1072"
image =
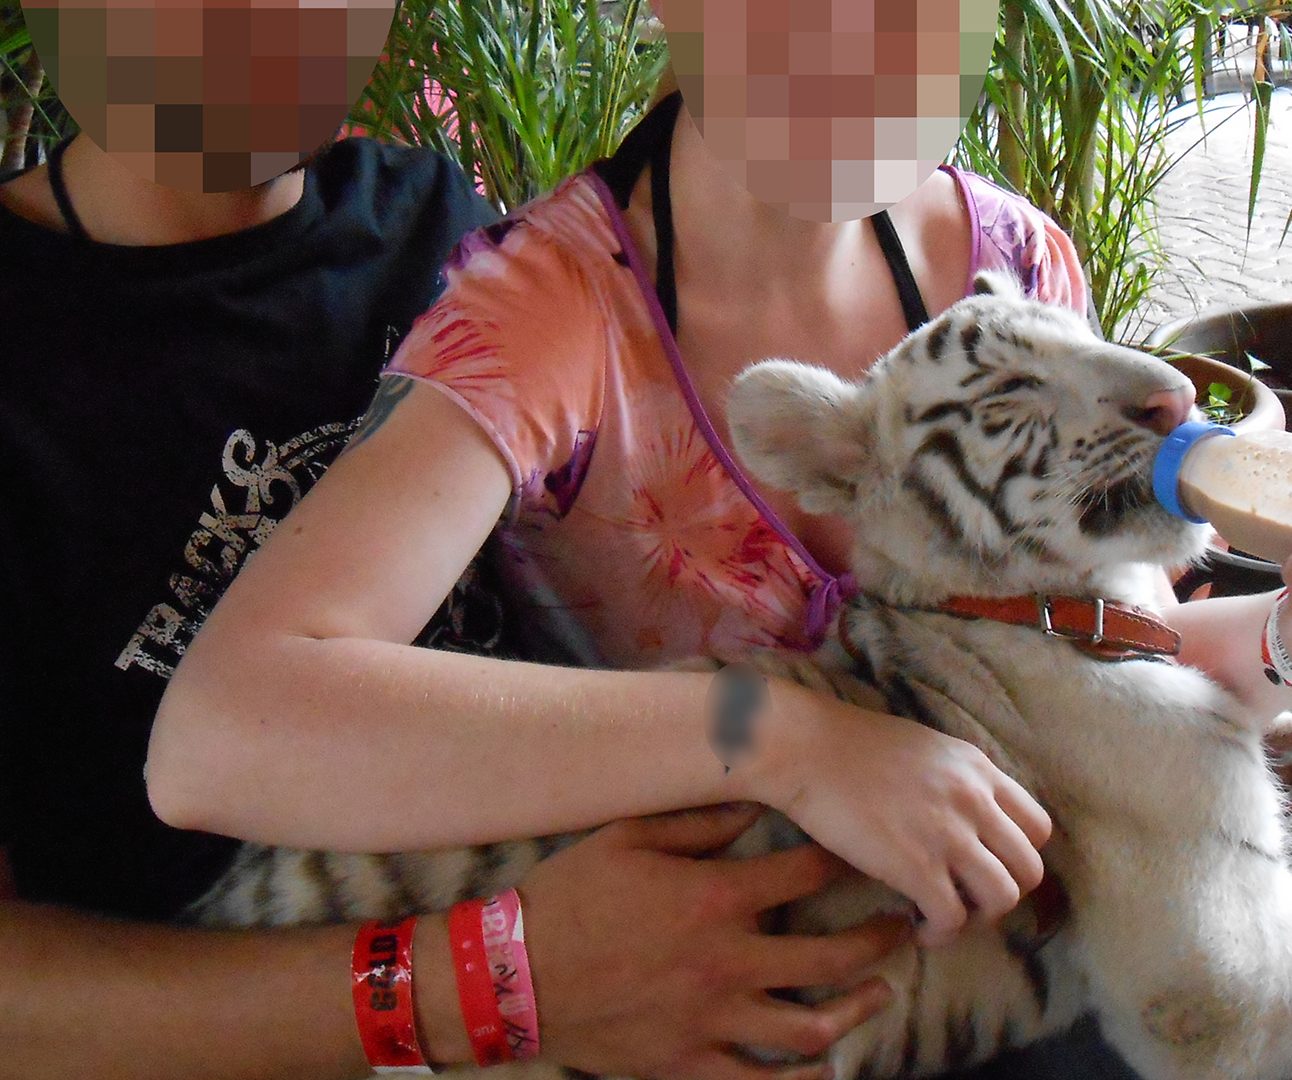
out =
column 521, row 94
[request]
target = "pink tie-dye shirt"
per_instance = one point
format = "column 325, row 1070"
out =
column 632, row 536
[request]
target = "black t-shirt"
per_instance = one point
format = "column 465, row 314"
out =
column 162, row 408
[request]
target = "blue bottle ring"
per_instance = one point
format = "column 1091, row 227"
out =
column 1170, row 456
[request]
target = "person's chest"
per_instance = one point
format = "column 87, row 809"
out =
column 717, row 343
column 719, row 335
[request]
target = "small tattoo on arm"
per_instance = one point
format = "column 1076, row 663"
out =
column 390, row 392
column 736, row 696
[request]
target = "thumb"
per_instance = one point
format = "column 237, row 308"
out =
column 696, row 832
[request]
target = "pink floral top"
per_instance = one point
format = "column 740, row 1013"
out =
column 632, row 536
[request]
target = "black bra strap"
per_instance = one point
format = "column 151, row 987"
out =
column 59, row 187
column 662, row 210
column 621, row 170
column 650, row 143
column 908, row 291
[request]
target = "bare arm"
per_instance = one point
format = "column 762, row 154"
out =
column 299, row 717
column 82, row 995
column 1221, row 636
column 89, row 996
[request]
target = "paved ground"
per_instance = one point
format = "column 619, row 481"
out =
column 1202, row 208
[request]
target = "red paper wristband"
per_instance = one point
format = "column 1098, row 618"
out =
column 484, row 1023
column 382, row 984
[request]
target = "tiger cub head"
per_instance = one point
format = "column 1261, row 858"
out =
column 1002, row 447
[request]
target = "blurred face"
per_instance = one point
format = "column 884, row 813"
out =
column 830, row 109
column 209, row 95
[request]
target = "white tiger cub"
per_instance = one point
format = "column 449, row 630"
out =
column 998, row 450
column 1002, row 450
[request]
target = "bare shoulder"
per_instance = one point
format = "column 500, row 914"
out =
column 29, row 196
column 935, row 225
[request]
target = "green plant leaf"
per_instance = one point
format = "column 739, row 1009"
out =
column 1261, row 92
column 521, row 93
column 19, row 39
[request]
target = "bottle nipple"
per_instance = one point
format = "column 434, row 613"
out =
column 1170, row 460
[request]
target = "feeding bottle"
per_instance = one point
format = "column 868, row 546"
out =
column 1240, row 483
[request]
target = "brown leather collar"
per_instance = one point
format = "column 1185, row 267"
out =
column 1105, row 629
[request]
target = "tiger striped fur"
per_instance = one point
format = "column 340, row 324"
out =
column 1003, row 450
column 989, row 453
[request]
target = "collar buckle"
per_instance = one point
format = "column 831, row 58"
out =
column 1044, row 614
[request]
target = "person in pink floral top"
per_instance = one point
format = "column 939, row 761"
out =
column 571, row 382
column 551, row 337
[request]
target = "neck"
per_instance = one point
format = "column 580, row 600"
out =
column 935, row 582
column 118, row 206
column 745, row 245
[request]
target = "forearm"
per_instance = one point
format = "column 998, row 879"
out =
column 87, row 996
column 1222, row 637
column 299, row 716
column 370, row 746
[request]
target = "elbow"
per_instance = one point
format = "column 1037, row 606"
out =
column 170, row 803
column 186, row 765
column 173, row 792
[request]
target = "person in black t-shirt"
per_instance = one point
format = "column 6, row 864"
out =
column 166, row 404
column 178, row 370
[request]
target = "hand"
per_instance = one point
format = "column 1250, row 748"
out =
column 925, row 813
column 648, row 962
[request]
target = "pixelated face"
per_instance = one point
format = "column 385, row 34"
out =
column 830, row 109
column 209, row 95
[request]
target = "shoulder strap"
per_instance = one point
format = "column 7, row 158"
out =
column 662, row 209
column 59, row 187
column 621, row 170
column 650, row 142
column 907, row 290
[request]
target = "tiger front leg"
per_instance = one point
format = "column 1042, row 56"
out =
column 993, row 988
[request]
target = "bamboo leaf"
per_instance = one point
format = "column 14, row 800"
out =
column 19, row 39
column 1261, row 96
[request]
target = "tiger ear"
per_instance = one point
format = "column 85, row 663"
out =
column 997, row 283
column 801, row 429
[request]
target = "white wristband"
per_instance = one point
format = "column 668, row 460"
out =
column 1275, row 654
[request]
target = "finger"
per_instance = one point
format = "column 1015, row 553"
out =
column 839, row 959
column 808, row 1030
column 1015, row 800
column 942, row 909
column 1287, row 572
column 988, row 884
column 766, row 881
column 693, row 832
column 725, row 1065
column 1002, row 836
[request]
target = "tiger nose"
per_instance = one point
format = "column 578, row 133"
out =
column 1163, row 410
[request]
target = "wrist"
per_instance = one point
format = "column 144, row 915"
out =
column 776, row 772
column 441, row 1029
